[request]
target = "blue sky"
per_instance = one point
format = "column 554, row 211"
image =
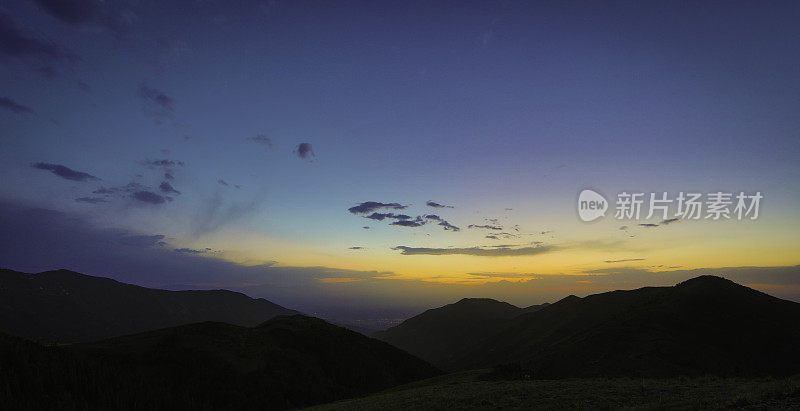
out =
column 481, row 105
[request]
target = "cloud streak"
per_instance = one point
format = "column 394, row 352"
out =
column 65, row 172
column 477, row 251
column 12, row 106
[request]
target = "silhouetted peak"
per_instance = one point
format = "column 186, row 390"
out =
column 478, row 301
column 707, row 281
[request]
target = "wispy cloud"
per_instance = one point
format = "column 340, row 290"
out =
column 437, row 205
column 65, row 172
column 14, row 107
column 477, row 251
column 624, row 260
column 262, row 140
column 156, row 103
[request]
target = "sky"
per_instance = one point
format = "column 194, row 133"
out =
column 354, row 158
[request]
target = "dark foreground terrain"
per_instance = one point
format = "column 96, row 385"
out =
column 287, row 362
column 480, row 390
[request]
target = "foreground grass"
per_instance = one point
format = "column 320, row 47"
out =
column 473, row 390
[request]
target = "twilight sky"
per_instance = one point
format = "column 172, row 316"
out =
column 249, row 145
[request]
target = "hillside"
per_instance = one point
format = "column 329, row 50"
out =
column 287, row 362
column 706, row 325
column 442, row 334
column 64, row 306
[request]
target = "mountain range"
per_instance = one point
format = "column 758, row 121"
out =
column 706, row 325
column 65, row 306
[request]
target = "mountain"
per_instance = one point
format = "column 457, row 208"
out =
column 286, row 362
column 442, row 334
column 64, row 306
column 706, row 325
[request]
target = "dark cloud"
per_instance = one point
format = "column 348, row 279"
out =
column 65, row 172
column 237, row 186
column 163, row 163
column 488, row 227
column 143, row 241
column 476, row 251
column 43, row 54
column 370, row 206
column 90, row 14
column 304, row 151
column 156, row 104
column 189, row 251
column 492, row 237
column 408, row 223
column 149, row 197
column 262, row 140
column 356, row 248
column 624, row 260
column 648, row 225
column 669, row 221
column 14, row 107
column 91, row 200
column 442, row 222
column 437, row 205
column 105, row 191
column 366, row 227
column 167, row 188
column 168, row 175
column 382, row 216
column 83, row 86
column 222, row 182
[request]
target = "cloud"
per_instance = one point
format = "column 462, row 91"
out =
column 624, row 260
column 189, row 251
column 370, row 206
column 91, row 200
column 149, row 197
column 304, row 151
column 89, row 14
column 382, row 216
column 477, row 251
column 215, row 213
column 143, row 241
column 222, row 182
column 408, row 223
column 167, row 188
column 65, row 172
column 262, row 140
column 437, row 205
column 163, row 163
column 168, row 175
column 156, row 104
column 16, row 43
column 648, row 225
column 669, row 221
column 366, row 227
column 356, row 248
column 12, row 106
column 488, row 227
column 442, row 222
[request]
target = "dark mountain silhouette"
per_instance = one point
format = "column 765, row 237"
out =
column 64, row 306
column 706, row 325
column 287, row 362
column 443, row 334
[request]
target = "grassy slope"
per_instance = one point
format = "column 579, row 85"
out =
column 476, row 390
